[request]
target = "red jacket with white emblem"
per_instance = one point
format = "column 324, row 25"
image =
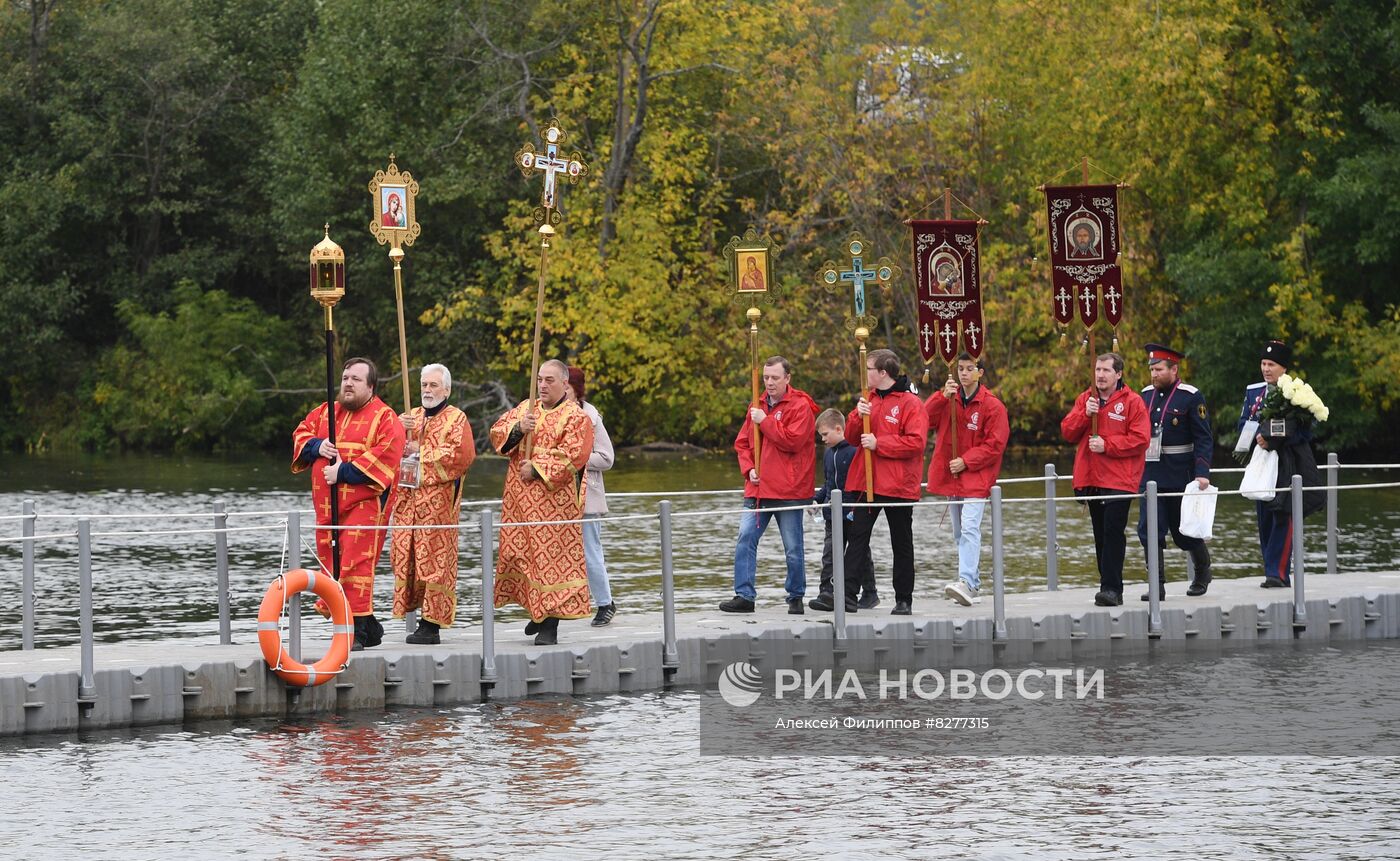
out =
column 901, row 432
column 787, row 450
column 983, row 432
column 1126, row 431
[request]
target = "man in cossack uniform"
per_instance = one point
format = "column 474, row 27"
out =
column 1178, row 453
column 1292, row 440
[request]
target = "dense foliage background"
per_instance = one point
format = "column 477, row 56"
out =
column 166, row 165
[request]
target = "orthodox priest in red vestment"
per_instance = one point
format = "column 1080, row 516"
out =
column 425, row 560
column 542, row 568
column 361, row 468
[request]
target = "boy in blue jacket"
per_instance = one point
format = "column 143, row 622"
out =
column 831, row 427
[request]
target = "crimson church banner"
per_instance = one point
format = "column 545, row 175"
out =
column 1084, row 243
column 948, row 284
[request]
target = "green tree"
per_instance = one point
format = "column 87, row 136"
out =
column 193, row 379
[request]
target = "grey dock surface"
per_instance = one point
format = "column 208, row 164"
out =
column 159, row 682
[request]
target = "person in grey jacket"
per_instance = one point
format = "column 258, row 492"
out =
column 595, row 505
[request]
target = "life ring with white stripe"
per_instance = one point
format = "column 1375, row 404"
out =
column 288, row 669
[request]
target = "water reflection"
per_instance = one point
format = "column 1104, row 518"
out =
column 160, row 586
column 619, row 777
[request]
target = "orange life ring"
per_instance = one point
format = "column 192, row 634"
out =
column 289, row 670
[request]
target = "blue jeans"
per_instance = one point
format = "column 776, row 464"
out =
column 751, row 528
column 967, row 531
column 593, row 558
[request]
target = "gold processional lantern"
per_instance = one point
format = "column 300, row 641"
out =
column 327, row 274
column 327, row 286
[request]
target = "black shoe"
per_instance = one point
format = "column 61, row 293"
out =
column 902, row 608
column 1161, row 594
column 737, row 604
column 549, row 632
column 1199, row 586
column 426, row 635
column 368, row 633
column 868, row 601
column 795, row 607
column 532, row 628
column 374, row 631
column 1274, row 583
column 851, row 605
column 822, row 602
column 604, row 615
column 1108, row 599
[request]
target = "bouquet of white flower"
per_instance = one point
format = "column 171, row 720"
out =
column 1295, row 399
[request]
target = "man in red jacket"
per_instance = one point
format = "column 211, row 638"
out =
column 788, row 451
column 898, row 434
column 966, row 476
column 1108, row 462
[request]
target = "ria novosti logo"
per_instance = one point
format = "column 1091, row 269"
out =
column 740, row 684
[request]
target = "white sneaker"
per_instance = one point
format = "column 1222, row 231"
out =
column 961, row 592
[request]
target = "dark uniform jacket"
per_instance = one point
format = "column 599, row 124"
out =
column 1295, row 455
column 1180, row 414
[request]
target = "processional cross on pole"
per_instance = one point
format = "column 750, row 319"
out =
column 546, row 216
column 860, row 322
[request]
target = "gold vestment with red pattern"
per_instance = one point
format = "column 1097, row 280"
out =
column 541, row 568
column 371, row 440
column 425, row 560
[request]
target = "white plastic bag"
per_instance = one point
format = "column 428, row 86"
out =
column 1198, row 511
column 1260, row 476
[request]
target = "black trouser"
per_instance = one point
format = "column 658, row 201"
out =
column 900, row 520
column 1110, row 518
column 1169, row 520
column 866, row 574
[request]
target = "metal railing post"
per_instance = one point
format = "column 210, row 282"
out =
column 670, row 656
column 1052, row 562
column 26, row 530
column 1300, row 609
column 294, row 562
column 998, row 571
column 221, row 573
column 87, row 685
column 1154, row 563
column 838, row 564
column 1334, row 474
column 488, row 597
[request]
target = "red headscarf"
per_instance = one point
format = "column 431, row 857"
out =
column 576, row 382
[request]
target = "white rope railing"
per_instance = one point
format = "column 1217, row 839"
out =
column 615, row 518
column 209, row 530
column 18, row 539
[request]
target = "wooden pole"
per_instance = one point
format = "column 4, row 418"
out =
column 754, row 314
column 545, row 232
column 1093, row 384
column 396, row 255
column 952, row 365
column 861, row 334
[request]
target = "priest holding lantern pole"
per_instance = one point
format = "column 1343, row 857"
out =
column 352, row 446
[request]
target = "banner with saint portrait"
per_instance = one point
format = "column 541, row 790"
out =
column 1085, row 238
column 948, row 287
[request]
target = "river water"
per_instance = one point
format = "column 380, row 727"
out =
column 163, row 586
column 622, row 776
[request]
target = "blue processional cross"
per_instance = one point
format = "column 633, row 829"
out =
column 858, row 276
